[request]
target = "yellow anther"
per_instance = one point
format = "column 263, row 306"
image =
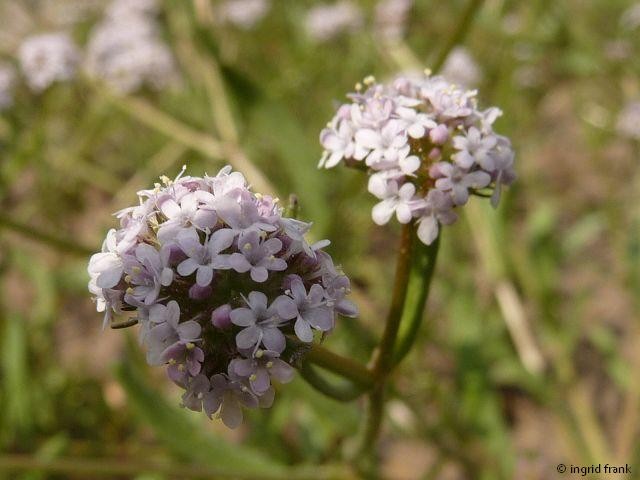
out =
column 253, row 377
column 127, row 278
column 172, row 361
column 136, row 270
column 181, row 367
column 190, row 346
column 358, row 87
column 427, row 72
column 369, row 80
column 247, row 247
column 129, row 290
column 258, row 196
column 259, row 353
column 166, row 180
column 269, row 364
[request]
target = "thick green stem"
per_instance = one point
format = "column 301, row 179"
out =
column 48, row 239
column 384, row 359
column 383, row 362
column 422, row 266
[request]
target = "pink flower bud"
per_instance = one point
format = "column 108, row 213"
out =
column 220, row 316
column 439, row 135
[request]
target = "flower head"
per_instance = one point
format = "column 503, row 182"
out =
column 218, row 279
column 48, row 58
column 125, row 49
column 425, row 144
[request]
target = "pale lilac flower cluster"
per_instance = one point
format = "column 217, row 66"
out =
column 125, row 49
column 461, row 68
column 628, row 121
column 7, row 83
column 48, row 58
column 324, row 22
column 391, row 18
column 426, row 145
column 226, row 289
column 244, row 14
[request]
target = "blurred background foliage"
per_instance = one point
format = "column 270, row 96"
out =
column 528, row 356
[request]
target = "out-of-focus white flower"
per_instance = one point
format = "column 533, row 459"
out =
column 7, row 82
column 127, row 8
column 125, row 49
column 460, row 68
column 326, row 21
column 243, row 14
column 628, row 123
column 48, row 58
column 391, row 18
column 630, row 18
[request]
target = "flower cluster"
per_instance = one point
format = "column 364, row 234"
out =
column 125, row 50
column 326, row 21
column 426, row 145
column 244, row 14
column 219, row 280
column 47, row 58
column 391, row 18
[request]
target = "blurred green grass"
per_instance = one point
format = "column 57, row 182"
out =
column 553, row 273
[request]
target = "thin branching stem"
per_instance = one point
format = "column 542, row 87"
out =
column 458, row 34
column 343, row 366
column 46, row 238
column 344, row 391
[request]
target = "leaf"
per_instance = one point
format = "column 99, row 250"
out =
column 17, row 418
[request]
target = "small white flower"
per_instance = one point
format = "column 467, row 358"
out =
column 474, row 148
column 388, row 144
column 326, row 21
column 399, row 200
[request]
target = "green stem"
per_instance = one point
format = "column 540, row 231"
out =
column 343, row 366
column 424, row 261
column 384, row 360
column 458, row 34
column 43, row 237
column 342, row 391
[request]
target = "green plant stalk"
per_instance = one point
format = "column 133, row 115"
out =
column 384, row 359
column 43, row 237
column 383, row 356
column 419, row 283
